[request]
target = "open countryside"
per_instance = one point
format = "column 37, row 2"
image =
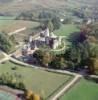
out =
column 48, row 50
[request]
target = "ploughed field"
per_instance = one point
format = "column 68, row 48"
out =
column 42, row 82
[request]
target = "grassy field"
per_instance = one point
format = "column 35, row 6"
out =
column 84, row 90
column 65, row 30
column 7, row 17
column 28, row 5
column 9, row 24
column 42, row 82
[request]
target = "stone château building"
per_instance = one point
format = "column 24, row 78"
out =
column 44, row 38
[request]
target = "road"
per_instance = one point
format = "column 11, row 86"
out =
column 5, row 58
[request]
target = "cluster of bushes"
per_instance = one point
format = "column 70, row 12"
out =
column 6, row 42
column 14, row 81
column 53, row 23
column 29, row 95
column 43, row 17
column 25, row 16
column 48, row 59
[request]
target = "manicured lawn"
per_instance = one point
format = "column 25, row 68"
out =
column 84, row 90
column 42, row 82
column 65, row 30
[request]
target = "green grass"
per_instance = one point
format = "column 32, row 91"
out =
column 42, row 82
column 84, row 90
column 8, row 24
column 7, row 17
column 66, row 30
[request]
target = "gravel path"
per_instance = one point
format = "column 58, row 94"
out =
column 17, row 31
column 67, row 87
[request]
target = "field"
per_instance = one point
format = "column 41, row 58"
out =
column 27, row 5
column 10, row 25
column 65, row 30
column 42, row 82
column 17, row 6
column 84, row 90
column 7, row 17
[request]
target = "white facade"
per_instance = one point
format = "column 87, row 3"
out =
column 30, row 39
column 55, row 43
column 45, row 38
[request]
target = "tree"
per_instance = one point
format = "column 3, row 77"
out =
column 56, row 22
column 94, row 30
column 81, row 52
column 47, row 57
column 90, row 64
column 12, row 38
column 36, row 97
column 29, row 95
column 25, row 16
column 50, row 26
column 5, row 42
column 38, row 54
column 73, row 56
column 45, row 15
column 58, row 63
column 21, row 86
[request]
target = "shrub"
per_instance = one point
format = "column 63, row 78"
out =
column 11, row 81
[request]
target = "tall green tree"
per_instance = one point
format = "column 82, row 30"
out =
column 50, row 26
column 56, row 22
column 38, row 55
column 58, row 63
column 46, row 59
column 5, row 42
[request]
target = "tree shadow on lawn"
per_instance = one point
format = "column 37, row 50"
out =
column 92, row 79
column 77, row 37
